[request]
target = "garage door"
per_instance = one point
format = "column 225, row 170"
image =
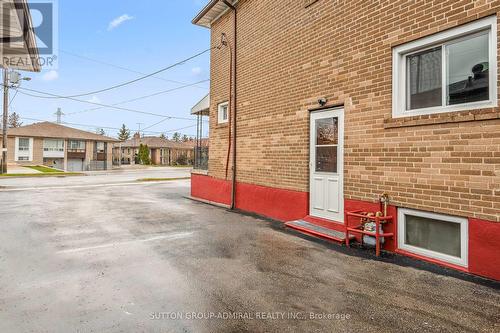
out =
column 75, row 165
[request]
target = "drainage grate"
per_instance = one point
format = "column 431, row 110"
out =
column 306, row 226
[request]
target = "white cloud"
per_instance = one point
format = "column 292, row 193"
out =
column 95, row 99
column 196, row 70
column 50, row 76
column 119, row 21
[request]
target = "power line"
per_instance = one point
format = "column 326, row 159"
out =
column 142, row 97
column 135, row 80
column 175, row 130
column 12, row 99
column 158, row 123
column 179, row 129
column 101, row 105
column 122, row 68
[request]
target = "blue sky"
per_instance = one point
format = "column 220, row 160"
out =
column 143, row 36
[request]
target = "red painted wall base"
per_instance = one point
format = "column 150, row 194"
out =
column 484, row 248
column 279, row 204
column 286, row 205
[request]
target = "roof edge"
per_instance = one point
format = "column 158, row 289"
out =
column 31, row 39
column 95, row 137
column 207, row 9
column 204, row 11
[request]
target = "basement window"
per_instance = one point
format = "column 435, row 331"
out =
column 455, row 70
column 433, row 235
column 223, row 113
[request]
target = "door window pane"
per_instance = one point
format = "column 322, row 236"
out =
column 468, row 70
column 424, row 79
column 326, row 159
column 435, row 235
column 327, row 131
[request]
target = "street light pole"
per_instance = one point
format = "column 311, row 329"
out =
column 5, row 118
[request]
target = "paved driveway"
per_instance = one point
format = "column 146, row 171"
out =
column 141, row 258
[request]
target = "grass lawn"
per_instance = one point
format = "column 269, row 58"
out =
column 44, row 172
column 48, row 174
column 44, row 169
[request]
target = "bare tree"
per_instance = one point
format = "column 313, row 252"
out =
column 14, row 120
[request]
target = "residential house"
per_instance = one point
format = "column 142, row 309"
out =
column 339, row 102
column 59, row 146
column 161, row 151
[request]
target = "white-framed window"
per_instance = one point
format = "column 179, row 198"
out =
column 76, row 145
column 454, row 70
column 53, row 145
column 433, row 235
column 23, row 149
column 223, row 113
column 100, row 147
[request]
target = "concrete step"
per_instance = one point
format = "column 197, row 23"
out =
column 317, row 230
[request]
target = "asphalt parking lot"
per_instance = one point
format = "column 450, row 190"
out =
column 80, row 256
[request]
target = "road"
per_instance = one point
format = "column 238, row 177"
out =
column 97, row 178
column 140, row 257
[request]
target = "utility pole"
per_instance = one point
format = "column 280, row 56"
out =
column 59, row 114
column 5, row 118
column 139, row 128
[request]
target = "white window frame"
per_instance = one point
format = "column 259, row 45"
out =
column 53, row 148
column 464, row 236
column 22, row 153
column 220, row 114
column 399, row 54
column 98, row 145
column 81, row 145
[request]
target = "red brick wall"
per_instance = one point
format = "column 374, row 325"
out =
column 290, row 54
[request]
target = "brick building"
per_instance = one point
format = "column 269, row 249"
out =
column 58, row 146
column 338, row 102
column 161, row 151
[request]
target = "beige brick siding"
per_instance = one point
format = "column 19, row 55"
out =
column 289, row 55
column 89, row 151
column 109, row 155
column 37, row 152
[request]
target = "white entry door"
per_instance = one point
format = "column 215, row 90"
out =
column 327, row 165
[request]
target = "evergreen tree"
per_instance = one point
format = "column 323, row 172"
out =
column 176, row 137
column 14, row 120
column 101, row 131
column 144, row 155
column 185, row 138
column 124, row 133
column 163, row 136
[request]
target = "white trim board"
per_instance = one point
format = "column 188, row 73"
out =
column 400, row 52
column 464, row 236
